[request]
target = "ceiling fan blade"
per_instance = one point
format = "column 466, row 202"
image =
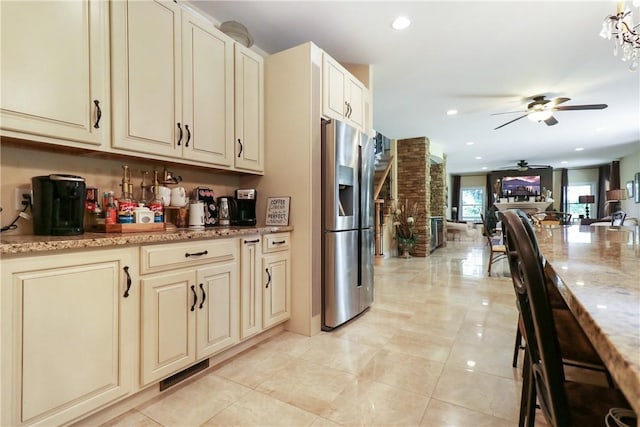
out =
column 558, row 101
column 517, row 118
column 582, row 107
column 508, row 112
column 551, row 121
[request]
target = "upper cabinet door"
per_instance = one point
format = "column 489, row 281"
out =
column 333, row 99
column 54, row 76
column 249, row 110
column 146, row 71
column 355, row 95
column 208, row 92
column 343, row 95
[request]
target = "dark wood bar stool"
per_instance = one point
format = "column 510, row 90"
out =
column 497, row 250
column 563, row 403
column 575, row 347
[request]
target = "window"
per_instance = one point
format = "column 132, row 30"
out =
column 472, row 200
column 575, row 208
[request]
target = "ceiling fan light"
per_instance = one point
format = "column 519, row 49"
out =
column 539, row 116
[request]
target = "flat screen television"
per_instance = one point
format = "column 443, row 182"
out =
column 521, row 185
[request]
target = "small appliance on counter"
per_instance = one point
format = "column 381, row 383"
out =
column 58, row 205
column 227, row 209
column 207, row 196
column 246, row 206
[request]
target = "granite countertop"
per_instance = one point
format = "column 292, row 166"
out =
column 26, row 244
column 598, row 270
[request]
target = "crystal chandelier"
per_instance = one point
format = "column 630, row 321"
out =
column 627, row 38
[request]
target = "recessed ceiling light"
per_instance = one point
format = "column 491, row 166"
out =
column 400, row 23
column 484, row 168
column 564, row 162
column 478, row 157
column 579, row 149
column 601, row 129
column 470, row 143
column 452, row 112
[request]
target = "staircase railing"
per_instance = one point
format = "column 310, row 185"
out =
column 379, row 202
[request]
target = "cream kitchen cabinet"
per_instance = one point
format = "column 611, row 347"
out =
column 249, row 110
column 69, row 334
column 172, row 83
column 276, row 269
column 189, row 304
column 54, row 76
column 250, row 286
column 343, row 96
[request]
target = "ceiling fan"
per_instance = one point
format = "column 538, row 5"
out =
column 524, row 166
column 541, row 109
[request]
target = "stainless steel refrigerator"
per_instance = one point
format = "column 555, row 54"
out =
column 348, row 163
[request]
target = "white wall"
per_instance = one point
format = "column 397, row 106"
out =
column 629, row 166
column 473, row 181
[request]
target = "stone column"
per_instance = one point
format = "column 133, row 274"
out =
column 414, row 178
column 439, row 196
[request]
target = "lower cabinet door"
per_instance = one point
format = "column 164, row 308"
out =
column 250, row 286
column 217, row 310
column 167, row 324
column 276, row 288
column 68, row 335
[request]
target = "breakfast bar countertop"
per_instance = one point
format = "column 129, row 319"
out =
column 26, row 244
column 597, row 270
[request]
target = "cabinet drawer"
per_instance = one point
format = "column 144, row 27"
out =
column 176, row 255
column 275, row 242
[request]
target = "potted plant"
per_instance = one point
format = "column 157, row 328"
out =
column 404, row 218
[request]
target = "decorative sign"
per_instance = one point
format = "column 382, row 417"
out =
column 278, row 210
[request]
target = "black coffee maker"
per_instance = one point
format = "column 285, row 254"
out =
column 246, row 206
column 58, row 205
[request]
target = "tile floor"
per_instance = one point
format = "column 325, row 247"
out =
column 434, row 350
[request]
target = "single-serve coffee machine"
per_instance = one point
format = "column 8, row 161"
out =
column 246, row 206
column 58, row 205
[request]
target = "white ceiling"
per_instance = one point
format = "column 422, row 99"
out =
column 478, row 57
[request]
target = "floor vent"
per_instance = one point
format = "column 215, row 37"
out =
column 183, row 375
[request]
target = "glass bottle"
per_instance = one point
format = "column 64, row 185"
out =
column 110, row 212
column 155, row 204
column 126, row 203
